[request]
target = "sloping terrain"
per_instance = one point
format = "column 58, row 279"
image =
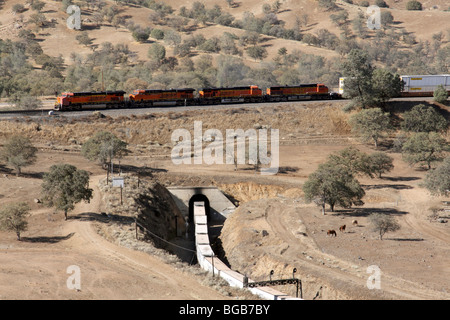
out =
column 57, row 38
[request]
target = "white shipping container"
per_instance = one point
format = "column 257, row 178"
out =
column 421, row 84
column 341, row 85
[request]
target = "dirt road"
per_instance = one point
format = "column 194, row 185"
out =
column 36, row 268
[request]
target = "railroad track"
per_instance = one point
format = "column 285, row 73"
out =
column 25, row 112
column 137, row 111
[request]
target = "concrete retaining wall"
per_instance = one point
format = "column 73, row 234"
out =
column 210, row 263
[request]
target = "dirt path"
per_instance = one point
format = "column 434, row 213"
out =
column 417, row 204
column 337, row 270
column 32, row 270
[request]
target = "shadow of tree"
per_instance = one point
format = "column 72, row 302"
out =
column 404, row 239
column 365, row 212
column 390, row 186
column 102, row 217
column 43, row 239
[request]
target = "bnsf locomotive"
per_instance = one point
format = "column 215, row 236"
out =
column 97, row 100
column 177, row 97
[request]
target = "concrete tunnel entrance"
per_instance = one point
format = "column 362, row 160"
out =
column 199, row 198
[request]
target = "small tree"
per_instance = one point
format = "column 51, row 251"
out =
column 104, row 147
column 18, row 8
column 37, row 5
column 157, row 34
column 370, row 124
column 385, row 85
column 413, row 5
column 13, row 217
column 358, row 72
column 19, row 152
column 156, row 52
column 383, row 223
column 29, row 103
column 380, row 163
column 327, row 4
column 83, row 38
column 423, row 147
column 437, row 181
column 423, row 119
column 64, row 186
column 440, row 94
column 381, row 4
column 355, row 161
column 333, row 185
column 257, row 52
column 141, row 35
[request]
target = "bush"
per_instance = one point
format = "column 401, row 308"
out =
column 18, row 8
column 438, row 181
column 141, row 35
column 157, row 34
column 413, row 5
column 364, row 3
column 383, row 223
column 440, row 94
column 381, row 4
column 29, row 103
column 423, row 118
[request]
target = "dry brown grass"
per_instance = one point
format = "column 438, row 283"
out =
column 318, row 118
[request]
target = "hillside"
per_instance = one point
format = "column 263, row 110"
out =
column 211, row 44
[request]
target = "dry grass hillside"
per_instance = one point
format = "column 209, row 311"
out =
column 58, row 39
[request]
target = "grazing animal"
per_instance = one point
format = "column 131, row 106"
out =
column 331, row 233
column 355, row 223
column 342, row 228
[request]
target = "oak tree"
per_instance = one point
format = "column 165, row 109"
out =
column 64, row 186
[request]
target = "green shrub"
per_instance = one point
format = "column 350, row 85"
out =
column 413, row 5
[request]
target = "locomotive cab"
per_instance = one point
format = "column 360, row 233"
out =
column 321, row 88
column 62, row 100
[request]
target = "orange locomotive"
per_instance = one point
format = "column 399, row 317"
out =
column 151, row 97
column 283, row 93
column 96, row 100
column 231, row 95
column 172, row 97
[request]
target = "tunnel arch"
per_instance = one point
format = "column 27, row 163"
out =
column 199, row 198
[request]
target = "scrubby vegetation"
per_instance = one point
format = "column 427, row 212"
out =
column 199, row 61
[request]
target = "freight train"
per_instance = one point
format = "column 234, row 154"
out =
column 70, row 101
column 421, row 85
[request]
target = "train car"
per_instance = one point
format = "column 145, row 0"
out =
column 89, row 100
column 416, row 85
column 230, row 95
column 424, row 85
column 152, row 97
column 298, row 92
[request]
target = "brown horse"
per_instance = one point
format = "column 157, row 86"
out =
column 342, row 228
column 331, row 233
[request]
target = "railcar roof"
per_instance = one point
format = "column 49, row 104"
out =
column 296, row 86
column 227, row 88
column 167, row 90
column 92, row 93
